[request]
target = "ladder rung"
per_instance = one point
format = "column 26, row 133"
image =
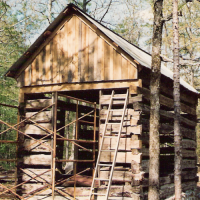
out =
column 123, row 99
column 110, row 150
column 105, row 165
column 113, row 123
column 101, row 179
column 98, row 194
column 118, row 110
column 110, row 136
column 119, row 98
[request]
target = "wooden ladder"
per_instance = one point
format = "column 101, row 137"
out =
column 124, row 99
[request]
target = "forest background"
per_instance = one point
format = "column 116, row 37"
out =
column 22, row 21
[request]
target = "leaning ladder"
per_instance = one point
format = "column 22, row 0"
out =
column 123, row 97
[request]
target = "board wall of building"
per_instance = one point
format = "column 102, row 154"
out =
column 77, row 54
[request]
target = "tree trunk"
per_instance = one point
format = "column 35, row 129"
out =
column 177, row 132
column 84, row 5
column 154, row 147
column 49, row 11
column 192, row 76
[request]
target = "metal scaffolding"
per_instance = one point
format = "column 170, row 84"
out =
column 55, row 137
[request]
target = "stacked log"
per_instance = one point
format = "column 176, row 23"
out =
column 34, row 153
column 188, row 125
column 125, row 183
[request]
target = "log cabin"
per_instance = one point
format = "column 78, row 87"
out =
column 72, row 81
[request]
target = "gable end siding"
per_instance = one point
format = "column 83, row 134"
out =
column 77, row 54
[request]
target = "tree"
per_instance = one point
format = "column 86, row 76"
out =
column 154, row 143
column 177, row 131
column 130, row 28
column 11, row 47
column 83, row 4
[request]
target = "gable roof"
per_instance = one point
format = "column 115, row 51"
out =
column 135, row 52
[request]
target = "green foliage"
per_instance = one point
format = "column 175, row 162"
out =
column 11, row 47
column 82, row 4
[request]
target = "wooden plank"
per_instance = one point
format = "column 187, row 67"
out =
column 80, row 52
column 105, row 100
column 43, row 116
column 106, row 61
column 97, row 71
column 32, row 146
column 117, row 65
column 86, row 53
column 47, row 65
column 65, row 54
column 125, row 144
column 122, row 157
column 31, row 187
column 31, row 129
column 101, row 58
column 136, row 168
column 124, row 69
column 28, row 173
column 40, row 66
column 125, row 130
column 189, row 185
column 83, row 52
column 77, row 22
column 91, row 52
column 38, row 103
column 37, row 69
column 27, row 76
column 33, row 73
column 55, row 68
column 188, row 164
column 170, row 189
column 188, row 144
column 168, row 102
column 191, row 99
column 186, row 133
column 71, row 49
column 82, row 86
column 107, row 39
column 21, row 80
column 188, row 153
column 51, row 61
column 164, row 114
column 132, row 71
column 111, row 63
column 45, row 42
column 41, row 159
column 170, row 150
column 115, row 115
column 124, row 176
column 186, row 95
column 59, row 55
column 58, row 197
column 117, row 190
column 189, row 175
column 81, row 180
column 80, row 191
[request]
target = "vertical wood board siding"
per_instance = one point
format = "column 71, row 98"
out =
column 77, row 54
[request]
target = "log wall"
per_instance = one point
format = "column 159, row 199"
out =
column 77, row 53
column 130, row 178
column 34, row 153
column 188, row 125
column 125, row 184
column 35, row 160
